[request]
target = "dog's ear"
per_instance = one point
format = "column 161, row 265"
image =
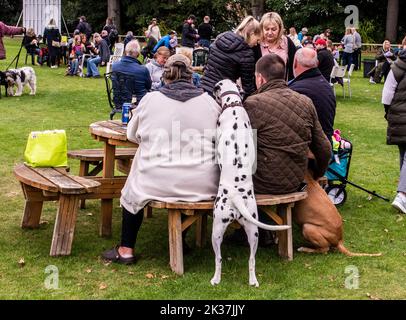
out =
column 217, row 91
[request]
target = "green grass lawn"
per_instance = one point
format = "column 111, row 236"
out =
column 71, row 103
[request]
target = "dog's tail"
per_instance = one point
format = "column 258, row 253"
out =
column 343, row 249
column 238, row 202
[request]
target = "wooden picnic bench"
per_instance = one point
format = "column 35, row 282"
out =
column 197, row 213
column 94, row 157
column 49, row 184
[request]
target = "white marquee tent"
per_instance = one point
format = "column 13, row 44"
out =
column 37, row 13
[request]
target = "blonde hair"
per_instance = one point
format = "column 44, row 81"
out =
column 162, row 51
column 348, row 31
column 77, row 38
column 187, row 53
column 248, row 27
column 30, row 32
column 275, row 18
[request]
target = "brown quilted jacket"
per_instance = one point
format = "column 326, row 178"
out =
column 287, row 126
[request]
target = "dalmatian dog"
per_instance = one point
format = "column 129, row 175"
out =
column 236, row 155
column 21, row 77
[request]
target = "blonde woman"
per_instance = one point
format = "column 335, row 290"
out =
column 348, row 43
column 156, row 66
column 274, row 41
column 231, row 57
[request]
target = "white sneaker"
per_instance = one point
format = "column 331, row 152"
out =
column 54, row 67
column 400, row 202
column 371, row 80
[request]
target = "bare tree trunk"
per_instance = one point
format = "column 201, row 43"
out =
column 257, row 8
column 113, row 11
column 392, row 20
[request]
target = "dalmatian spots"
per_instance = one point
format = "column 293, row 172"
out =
column 235, row 126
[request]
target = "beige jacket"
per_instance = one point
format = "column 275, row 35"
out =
column 174, row 161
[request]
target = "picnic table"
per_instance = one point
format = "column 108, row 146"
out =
column 112, row 133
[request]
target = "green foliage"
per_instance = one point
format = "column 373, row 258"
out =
column 367, row 31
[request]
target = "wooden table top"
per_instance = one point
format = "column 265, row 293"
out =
column 110, row 129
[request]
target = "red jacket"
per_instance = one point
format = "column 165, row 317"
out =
column 6, row 30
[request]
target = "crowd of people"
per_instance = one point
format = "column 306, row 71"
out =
column 284, row 79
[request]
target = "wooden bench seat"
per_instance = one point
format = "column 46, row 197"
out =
column 94, row 157
column 197, row 213
column 49, row 184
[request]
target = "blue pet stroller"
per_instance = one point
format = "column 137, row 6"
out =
column 337, row 175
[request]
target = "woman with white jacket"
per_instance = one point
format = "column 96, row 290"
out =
column 175, row 128
column 156, row 67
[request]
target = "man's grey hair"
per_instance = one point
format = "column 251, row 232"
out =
column 133, row 48
column 307, row 57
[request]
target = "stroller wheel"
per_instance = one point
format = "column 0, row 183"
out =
column 337, row 194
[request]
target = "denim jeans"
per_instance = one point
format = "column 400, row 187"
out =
column 74, row 66
column 92, row 67
column 204, row 43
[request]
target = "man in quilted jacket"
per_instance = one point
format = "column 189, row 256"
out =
column 287, row 128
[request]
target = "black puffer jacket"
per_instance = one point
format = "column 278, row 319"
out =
column 230, row 57
column 396, row 133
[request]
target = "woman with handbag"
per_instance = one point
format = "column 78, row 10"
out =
column 52, row 38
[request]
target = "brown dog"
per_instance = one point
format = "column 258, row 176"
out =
column 320, row 220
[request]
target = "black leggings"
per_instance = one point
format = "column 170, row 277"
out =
column 130, row 225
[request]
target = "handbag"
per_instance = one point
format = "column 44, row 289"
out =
column 46, row 149
column 56, row 44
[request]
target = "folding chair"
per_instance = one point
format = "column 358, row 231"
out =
column 200, row 56
column 120, row 89
column 118, row 53
column 337, row 72
column 348, row 80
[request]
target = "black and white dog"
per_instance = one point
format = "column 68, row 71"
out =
column 236, row 156
column 21, row 77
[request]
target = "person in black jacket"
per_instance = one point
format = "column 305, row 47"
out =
column 205, row 32
column 84, row 27
column 189, row 34
column 310, row 82
column 231, row 57
column 30, row 42
column 52, row 37
column 274, row 41
column 325, row 57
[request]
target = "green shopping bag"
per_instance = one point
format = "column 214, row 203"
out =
column 46, row 149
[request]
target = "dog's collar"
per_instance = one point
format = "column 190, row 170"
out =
column 230, row 92
column 231, row 104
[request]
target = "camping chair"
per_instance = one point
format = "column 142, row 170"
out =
column 119, row 87
column 200, row 56
column 337, row 72
column 118, row 53
column 348, row 80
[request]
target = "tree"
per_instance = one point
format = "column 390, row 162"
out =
column 113, row 11
column 257, row 8
column 392, row 15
